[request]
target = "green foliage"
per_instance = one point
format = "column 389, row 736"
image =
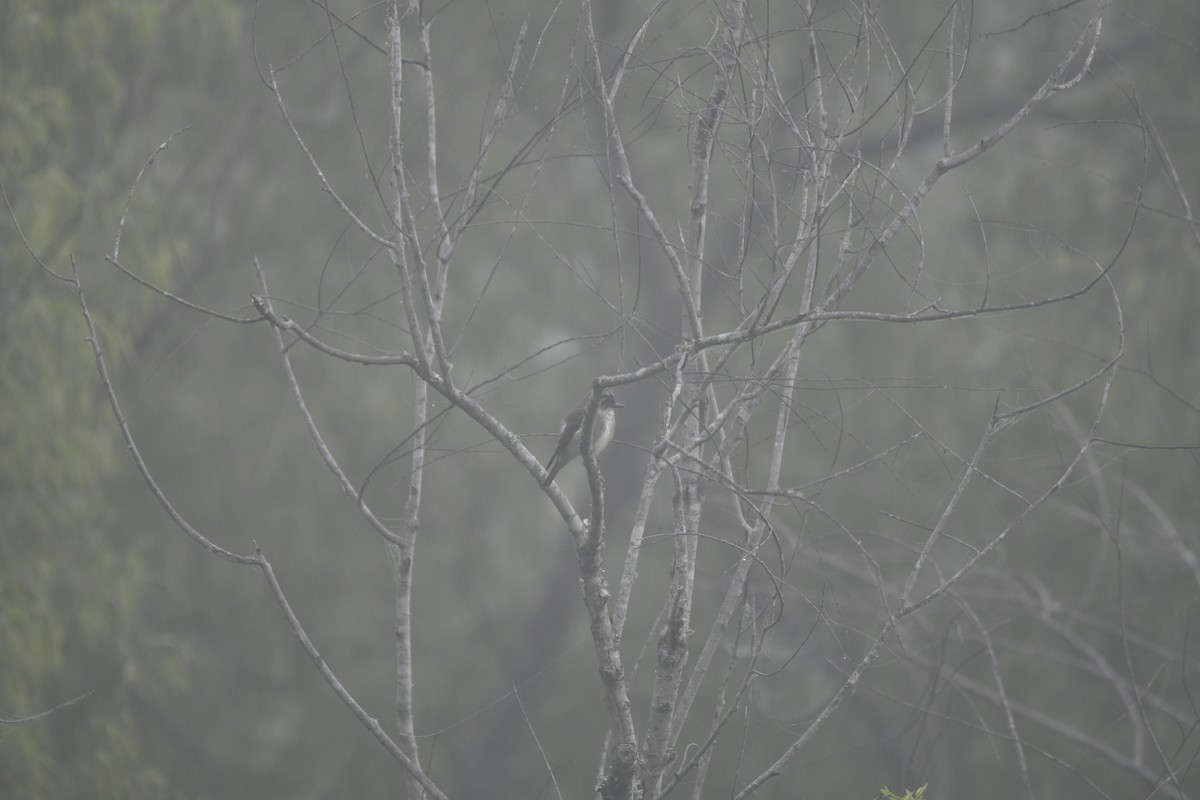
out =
column 886, row 794
column 72, row 582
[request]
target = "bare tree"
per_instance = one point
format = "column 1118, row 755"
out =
column 833, row 528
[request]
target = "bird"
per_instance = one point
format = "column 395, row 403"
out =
column 568, row 432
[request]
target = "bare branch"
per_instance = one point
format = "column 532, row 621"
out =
column 413, row 768
column 101, row 367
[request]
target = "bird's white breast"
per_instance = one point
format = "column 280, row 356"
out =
column 603, row 426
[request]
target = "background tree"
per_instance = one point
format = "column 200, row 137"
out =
column 74, row 81
column 902, row 489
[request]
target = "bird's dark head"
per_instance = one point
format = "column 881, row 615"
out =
column 608, row 400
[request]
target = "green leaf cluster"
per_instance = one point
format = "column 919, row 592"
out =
column 73, row 78
column 886, row 794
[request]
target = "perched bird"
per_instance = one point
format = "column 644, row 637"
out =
column 568, row 433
